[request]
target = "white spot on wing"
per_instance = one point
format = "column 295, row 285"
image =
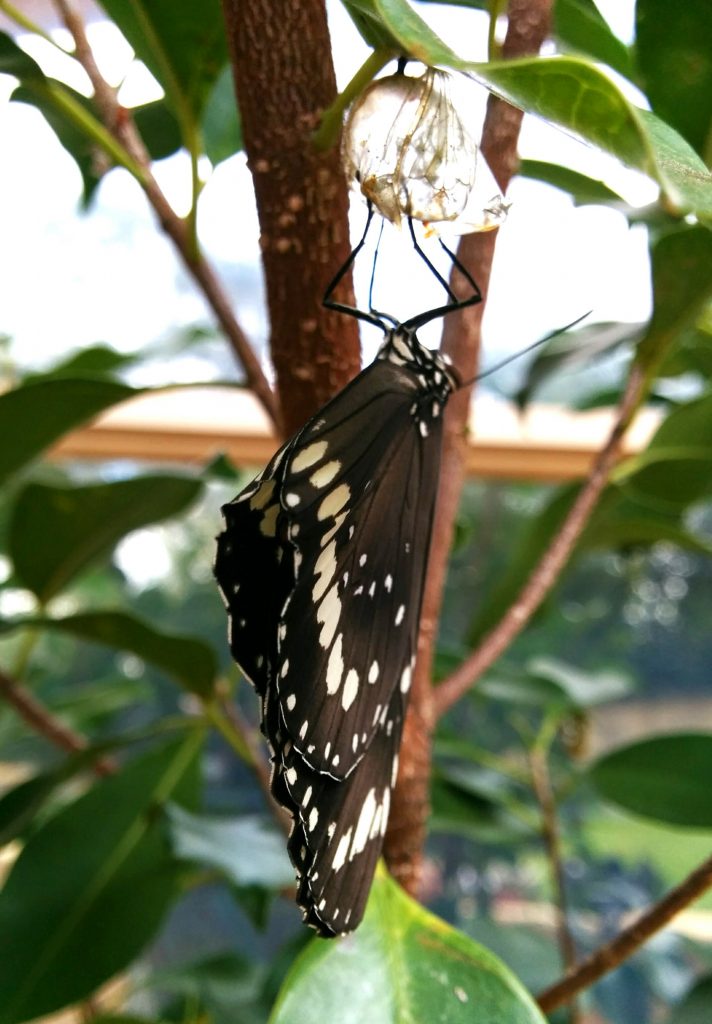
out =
column 292, row 499
column 334, row 502
column 335, row 667
column 291, row 702
column 324, row 568
column 307, row 796
column 291, row 774
column 308, row 456
column 328, row 614
column 313, row 819
column 350, row 689
column 373, row 672
column 341, row 850
column 363, row 827
column 325, row 474
column 399, row 615
column 406, row 679
column 388, row 582
column 303, row 730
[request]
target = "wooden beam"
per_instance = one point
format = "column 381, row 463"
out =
column 547, row 443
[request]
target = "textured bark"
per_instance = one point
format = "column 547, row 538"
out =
column 284, row 77
column 527, row 29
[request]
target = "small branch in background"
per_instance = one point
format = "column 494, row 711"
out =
column 543, row 791
column 552, row 561
column 610, row 956
column 119, row 123
column 43, row 722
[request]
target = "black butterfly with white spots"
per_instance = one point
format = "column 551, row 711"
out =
column 322, row 566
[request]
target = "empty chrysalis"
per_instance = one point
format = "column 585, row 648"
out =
column 408, row 151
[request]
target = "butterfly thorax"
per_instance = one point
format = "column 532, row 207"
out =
column 435, row 379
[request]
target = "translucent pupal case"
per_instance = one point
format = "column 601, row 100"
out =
column 407, row 150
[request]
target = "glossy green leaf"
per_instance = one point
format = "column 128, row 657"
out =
column 581, row 98
column 393, row 24
column 695, row 1007
column 582, row 189
column 401, row 966
column 34, row 416
column 579, row 26
column 222, row 128
column 220, row 985
column 666, row 778
column 248, row 850
column 185, row 54
column 674, row 56
column 56, row 532
column 19, row 805
column 91, row 886
column 191, row 662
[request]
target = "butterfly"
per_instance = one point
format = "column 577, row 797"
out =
column 322, row 566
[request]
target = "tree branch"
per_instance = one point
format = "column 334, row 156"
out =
column 119, row 122
column 527, row 30
column 552, row 561
column 608, row 957
column 42, row 721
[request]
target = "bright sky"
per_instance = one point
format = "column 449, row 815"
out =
column 69, row 279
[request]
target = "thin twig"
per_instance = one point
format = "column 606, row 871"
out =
column 541, row 784
column 552, row 561
column 608, row 957
column 42, row 721
column 119, row 122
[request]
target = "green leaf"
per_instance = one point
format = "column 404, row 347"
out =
column 676, row 468
column 579, row 97
column 682, row 287
column 56, row 532
column 582, row 689
column 401, row 965
column 674, row 56
column 579, row 25
column 222, row 129
column 572, row 349
column 185, row 54
column 393, row 24
column 91, row 886
column 189, row 661
column 19, row 805
column 77, row 142
column 247, row 850
column 158, row 128
column 582, row 188
column 666, row 778
column 94, row 361
column 34, row 416
column 695, row 1007
column 15, row 62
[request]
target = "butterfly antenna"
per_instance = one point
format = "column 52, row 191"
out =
column 423, row 318
column 371, row 317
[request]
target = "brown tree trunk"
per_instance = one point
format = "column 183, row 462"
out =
column 284, row 76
